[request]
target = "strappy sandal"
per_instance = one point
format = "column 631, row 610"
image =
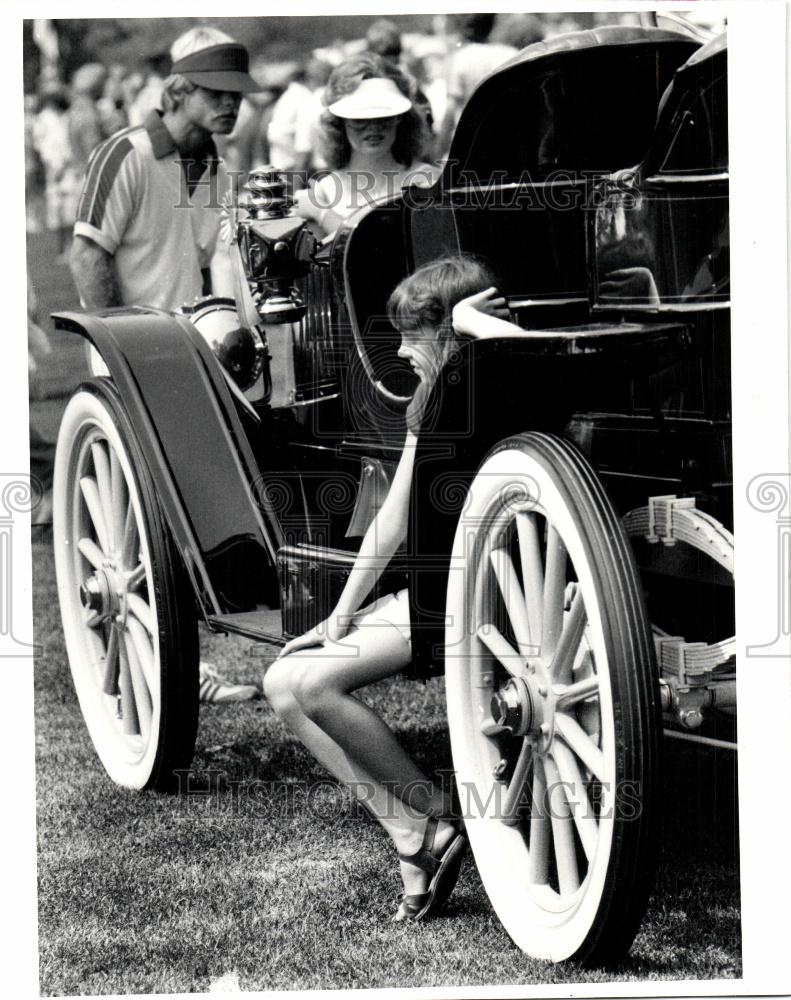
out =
column 444, row 871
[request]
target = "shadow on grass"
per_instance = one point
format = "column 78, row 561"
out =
column 696, row 900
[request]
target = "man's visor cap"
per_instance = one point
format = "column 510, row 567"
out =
column 218, row 67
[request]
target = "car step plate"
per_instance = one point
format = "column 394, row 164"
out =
column 264, row 625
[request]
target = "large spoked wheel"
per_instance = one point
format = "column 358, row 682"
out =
column 553, row 703
column 128, row 616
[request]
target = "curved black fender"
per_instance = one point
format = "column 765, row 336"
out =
column 198, row 452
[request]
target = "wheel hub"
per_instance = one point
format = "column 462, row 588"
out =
column 513, row 708
column 521, row 706
column 101, row 594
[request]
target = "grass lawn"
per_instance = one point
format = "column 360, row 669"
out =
column 278, row 889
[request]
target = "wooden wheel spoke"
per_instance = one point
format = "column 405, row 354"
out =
column 144, row 651
column 554, row 594
column 517, row 786
column 569, row 641
column 90, row 493
column 142, row 611
column 581, row 743
column 130, row 722
column 583, row 661
column 142, row 696
column 501, row 649
column 562, row 831
column 131, row 538
column 540, row 828
column 136, row 577
column 532, row 572
column 514, row 600
column 111, row 665
column 101, row 465
column 575, row 792
column 92, row 552
column 573, row 694
column 120, row 498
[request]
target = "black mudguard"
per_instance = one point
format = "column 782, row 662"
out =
column 199, row 454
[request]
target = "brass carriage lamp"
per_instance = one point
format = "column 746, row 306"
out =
column 275, row 244
column 269, row 249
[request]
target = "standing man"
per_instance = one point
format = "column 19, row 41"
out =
column 149, row 215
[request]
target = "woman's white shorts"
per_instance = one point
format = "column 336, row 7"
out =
column 392, row 609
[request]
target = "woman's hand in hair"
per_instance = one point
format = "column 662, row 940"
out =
column 473, row 316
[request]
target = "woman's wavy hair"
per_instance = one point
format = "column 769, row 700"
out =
column 425, row 298
column 412, row 135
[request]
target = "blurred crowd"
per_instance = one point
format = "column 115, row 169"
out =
column 65, row 120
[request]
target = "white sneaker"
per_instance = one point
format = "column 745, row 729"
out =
column 215, row 689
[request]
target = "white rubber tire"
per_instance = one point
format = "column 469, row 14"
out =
column 151, row 638
column 545, row 481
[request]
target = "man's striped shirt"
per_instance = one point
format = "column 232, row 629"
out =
column 136, row 205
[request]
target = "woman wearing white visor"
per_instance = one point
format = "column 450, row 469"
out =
column 372, row 136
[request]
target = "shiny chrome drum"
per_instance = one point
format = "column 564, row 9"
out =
column 241, row 352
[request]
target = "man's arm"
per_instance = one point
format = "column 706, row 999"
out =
column 93, row 271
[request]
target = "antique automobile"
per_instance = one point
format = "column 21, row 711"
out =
column 569, row 560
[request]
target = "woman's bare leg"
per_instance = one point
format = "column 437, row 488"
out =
column 321, row 681
column 311, row 692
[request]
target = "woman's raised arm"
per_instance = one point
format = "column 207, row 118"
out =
column 484, row 315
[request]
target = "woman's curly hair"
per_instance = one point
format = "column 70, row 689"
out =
column 426, row 297
column 425, row 300
column 412, row 135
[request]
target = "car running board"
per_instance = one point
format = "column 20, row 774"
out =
column 263, row 625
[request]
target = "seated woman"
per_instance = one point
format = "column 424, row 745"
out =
column 310, row 685
column 372, row 136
